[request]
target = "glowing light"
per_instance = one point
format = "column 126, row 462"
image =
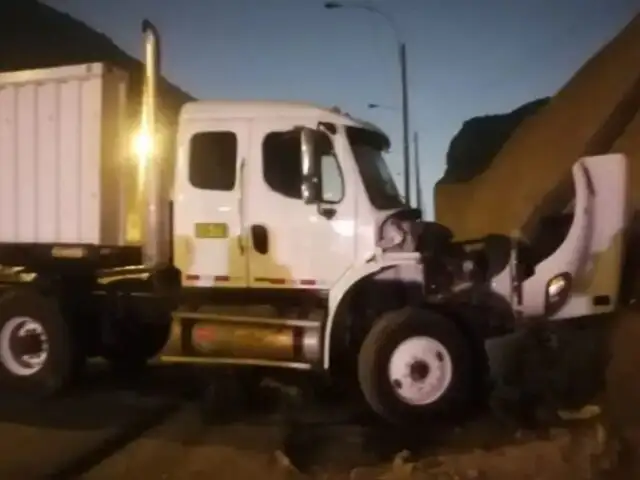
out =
column 143, row 144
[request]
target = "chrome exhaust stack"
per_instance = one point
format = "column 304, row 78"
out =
column 155, row 226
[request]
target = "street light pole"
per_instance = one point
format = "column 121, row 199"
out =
column 416, row 159
column 383, row 107
column 405, row 122
column 402, row 56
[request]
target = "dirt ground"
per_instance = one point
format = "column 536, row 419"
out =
column 333, row 447
column 623, row 390
column 184, row 448
column 46, row 438
column 294, row 441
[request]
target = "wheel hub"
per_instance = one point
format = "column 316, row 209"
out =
column 24, row 346
column 420, row 370
column 31, row 343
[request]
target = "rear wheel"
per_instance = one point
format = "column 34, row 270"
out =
column 415, row 365
column 37, row 351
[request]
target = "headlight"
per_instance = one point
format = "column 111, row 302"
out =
column 557, row 292
column 393, row 234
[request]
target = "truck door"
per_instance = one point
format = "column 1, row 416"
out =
column 207, row 223
column 294, row 245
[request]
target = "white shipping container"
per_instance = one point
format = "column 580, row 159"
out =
column 63, row 161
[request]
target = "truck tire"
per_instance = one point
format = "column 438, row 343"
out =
column 134, row 347
column 37, row 352
column 414, row 366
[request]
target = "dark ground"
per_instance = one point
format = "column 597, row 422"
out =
column 279, row 433
column 281, row 436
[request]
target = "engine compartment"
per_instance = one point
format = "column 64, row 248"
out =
column 452, row 266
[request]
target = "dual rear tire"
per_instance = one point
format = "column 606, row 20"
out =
column 42, row 353
column 38, row 354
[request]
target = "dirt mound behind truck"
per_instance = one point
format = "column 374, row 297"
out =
column 585, row 117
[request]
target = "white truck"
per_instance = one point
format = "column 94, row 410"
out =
column 270, row 234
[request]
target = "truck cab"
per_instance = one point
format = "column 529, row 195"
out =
column 240, row 215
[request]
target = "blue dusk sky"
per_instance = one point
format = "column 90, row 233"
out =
column 465, row 57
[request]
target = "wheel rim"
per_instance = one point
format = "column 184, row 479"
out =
column 24, row 346
column 420, row 370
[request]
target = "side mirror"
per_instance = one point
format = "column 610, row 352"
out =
column 310, row 175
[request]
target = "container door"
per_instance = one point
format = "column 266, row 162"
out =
column 208, row 236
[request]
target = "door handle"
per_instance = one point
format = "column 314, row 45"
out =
column 241, row 239
column 240, row 244
column 327, row 212
column 260, row 239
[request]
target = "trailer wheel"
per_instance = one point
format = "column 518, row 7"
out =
column 37, row 352
column 135, row 346
column 415, row 365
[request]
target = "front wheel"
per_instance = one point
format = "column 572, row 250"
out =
column 415, row 365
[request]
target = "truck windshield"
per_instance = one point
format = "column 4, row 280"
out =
column 367, row 147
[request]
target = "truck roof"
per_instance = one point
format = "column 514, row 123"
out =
column 267, row 108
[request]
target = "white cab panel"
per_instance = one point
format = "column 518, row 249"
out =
column 601, row 276
column 305, row 248
column 592, row 249
column 208, row 238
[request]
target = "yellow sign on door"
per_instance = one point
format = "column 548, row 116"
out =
column 211, row 230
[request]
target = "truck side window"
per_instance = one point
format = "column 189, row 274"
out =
column 212, row 160
column 281, row 163
column 282, row 166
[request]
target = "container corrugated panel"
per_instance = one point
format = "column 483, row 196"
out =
column 62, row 144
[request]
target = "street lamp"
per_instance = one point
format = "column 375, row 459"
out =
column 373, row 106
column 402, row 56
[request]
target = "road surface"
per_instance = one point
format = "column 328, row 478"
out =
column 166, row 427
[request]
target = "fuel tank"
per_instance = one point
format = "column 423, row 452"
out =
column 218, row 338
